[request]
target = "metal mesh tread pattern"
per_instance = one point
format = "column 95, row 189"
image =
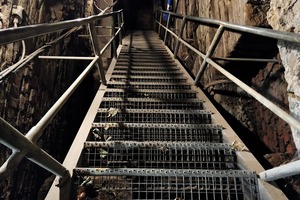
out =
column 172, row 184
column 153, row 138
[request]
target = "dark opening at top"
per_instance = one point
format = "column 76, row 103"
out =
column 139, row 14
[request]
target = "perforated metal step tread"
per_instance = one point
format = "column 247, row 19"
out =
column 159, row 132
column 153, row 116
column 151, row 103
column 146, row 184
column 152, row 137
column 159, row 155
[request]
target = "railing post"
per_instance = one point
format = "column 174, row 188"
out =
column 210, row 52
column 167, row 27
column 113, row 33
column 96, row 47
column 160, row 20
column 179, row 36
column 120, row 27
column 122, row 21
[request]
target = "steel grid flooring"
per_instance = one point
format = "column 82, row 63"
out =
column 152, row 137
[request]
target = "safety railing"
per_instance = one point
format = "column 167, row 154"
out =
column 25, row 145
column 268, row 175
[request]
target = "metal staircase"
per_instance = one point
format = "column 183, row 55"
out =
column 152, row 137
column 150, row 133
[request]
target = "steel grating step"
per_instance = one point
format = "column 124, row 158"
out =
column 149, row 86
column 164, row 59
column 149, row 68
column 128, row 63
column 146, row 184
column 145, row 54
column 130, row 56
column 157, row 132
column 151, row 79
column 154, row 116
column 158, row 155
column 136, row 48
column 148, row 73
column 153, row 139
column 144, row 93
column 151, row 103
column 145, row 61
column 113, row 82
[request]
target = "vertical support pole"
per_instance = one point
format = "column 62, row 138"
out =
column 122, row 21
column 167, row 27
column 209, row 53
column 179, row 36
column 96, row 47
column 120, row 27
column 160, row 20
column 113, row 33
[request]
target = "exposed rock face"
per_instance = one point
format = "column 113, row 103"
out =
column 285, row 16
column 26, row 95
column 267, row 79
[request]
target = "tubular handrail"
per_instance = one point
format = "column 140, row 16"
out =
column 267, row 175
column 26, row 32
column 26, row 147
column 270, row 33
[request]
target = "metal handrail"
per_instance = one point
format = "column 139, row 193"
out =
column 11, row 35
column 267, row 175
column 270, row 33
column 26, row 147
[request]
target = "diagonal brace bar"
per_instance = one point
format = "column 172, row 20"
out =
column 210, row 52
column 36, row 131
column 15, row 140
column 96, row 47
column 179, row 37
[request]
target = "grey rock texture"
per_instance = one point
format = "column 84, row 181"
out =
column 285, row 16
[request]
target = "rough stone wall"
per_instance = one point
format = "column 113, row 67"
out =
column 26, row 95
column 285, row 16
column 265, row 133
column 242, row 12
column 267, row 79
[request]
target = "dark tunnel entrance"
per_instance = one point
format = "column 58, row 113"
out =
column 139, row 14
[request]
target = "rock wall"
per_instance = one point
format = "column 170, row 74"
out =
column 268, row 79
column 26, row 95
column 264, row 133
column 285, row 16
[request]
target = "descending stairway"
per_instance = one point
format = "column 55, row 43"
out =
column 152, row 137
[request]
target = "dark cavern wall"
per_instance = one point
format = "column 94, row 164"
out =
column 267, row 78
column 268, row 137
column 26, row 95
